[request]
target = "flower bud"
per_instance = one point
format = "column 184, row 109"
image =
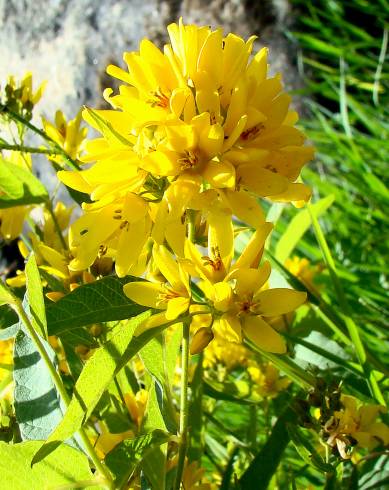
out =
column 200, row 340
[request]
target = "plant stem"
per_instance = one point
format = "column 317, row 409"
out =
column 184, row 405
column 346, row 317
column 18, row 307
column 28, row 149
column 41, row 133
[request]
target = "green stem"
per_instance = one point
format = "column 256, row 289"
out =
column 28, row 149
column 41, row 133
column 184, row 405
column 18, row 307
column 346, row 317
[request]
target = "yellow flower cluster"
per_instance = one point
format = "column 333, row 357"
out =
column 355, row 425
column 197, row 133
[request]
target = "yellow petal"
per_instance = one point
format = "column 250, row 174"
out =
column 219, row 174
column 176, row 307
column 248, row 281
column 262, row 335
column 254, row 248
column 144, row 293
column 245, row 207
column 279, row 301
column 222, row 296
column 229, row 327
column 294, row 192
column 131, row 241
column 261, row 181
column 168, row 267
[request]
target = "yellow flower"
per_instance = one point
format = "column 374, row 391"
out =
column 136, row 406
column 238, row 354
column 173, row 296
column 20, row 97
column 238, row 293
column 69, row 135
column 266, row 378
column 198, row 117
column 119, row 229
column 356, row 423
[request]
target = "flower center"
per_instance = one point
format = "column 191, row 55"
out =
column 159, row 99
column 189, row 160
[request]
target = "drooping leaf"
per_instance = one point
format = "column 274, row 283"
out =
column 66, row 467
column 37, row 403
column 124, row 458
column 95, row 378
column 35, row 297
column 101, row 301
column 18, row 186
column 298, row 226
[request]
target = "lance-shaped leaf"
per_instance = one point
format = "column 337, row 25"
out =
column 101, row 301
column 35, row 297
column 37, row 404
column 298, row 226
column 97, row 374
column 18, row 186
column 67, row 467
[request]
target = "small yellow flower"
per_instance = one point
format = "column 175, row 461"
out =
column 68, row 134
column 266, row 378
column 173, row 296
column 356, row 424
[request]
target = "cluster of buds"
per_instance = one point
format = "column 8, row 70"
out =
column 20, row 97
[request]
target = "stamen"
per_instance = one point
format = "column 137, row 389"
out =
column 188, row 161
column 253, row 132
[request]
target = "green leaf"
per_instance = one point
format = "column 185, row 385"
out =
column 306, row 450
column 160, row 358
column 18, row 186
column 6, row 297
column 126, row 456
column 264, row 465
column 98, row 302
column 35, row 297
column 95, row 378
column 66, row 467
column 37, row 404
column 298, row 226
